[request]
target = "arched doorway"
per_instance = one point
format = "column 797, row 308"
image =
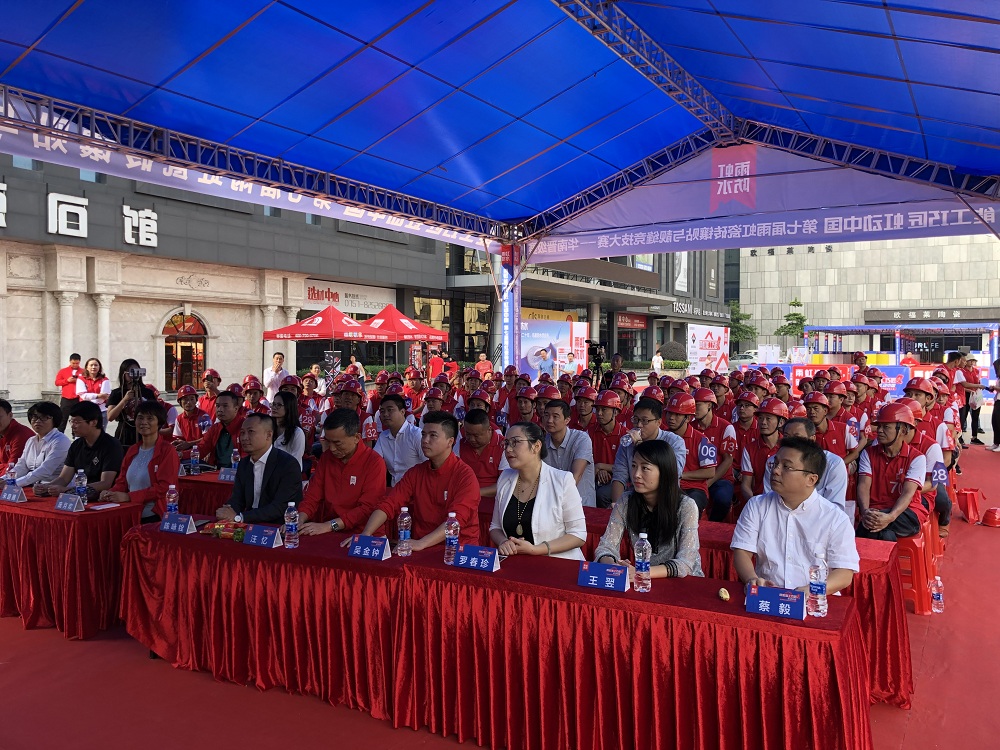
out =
column 184, row 356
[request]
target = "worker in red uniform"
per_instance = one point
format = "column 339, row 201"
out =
column 606, row 433
column 507, row 391
column 702, row 457
column 434, row 488
column 254, row 393
column 192, row 423
column 211, row 380
column 524, row 404
column 837, row 437
column 721, row 434
column 481, row 448
column 771, row 415
column 583, row 416
column 415, row 390
column 544, row 394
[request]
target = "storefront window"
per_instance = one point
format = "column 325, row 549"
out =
column 632, row 345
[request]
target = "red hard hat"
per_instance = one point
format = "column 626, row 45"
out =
column 609, row 399
column 473, row 373
column 587, row 374
column 353, row 370
column 566, row 378
column 620, row 381
column 441, row 379
column 771, row 389
column 510, row 370
column 914, row 406
column 821, row 374
column 736, row 375
column 545, row 378
column 834, row 368
column 252, row 384
column 434, row 393
column 694, row 381
column 413, row 373
column 248, row 378
column 184, row 391
column 235, row 388
column 396, row 389
column 632, row 377
column 806, row 379
column 588, row 393
column 749, row 397
column 836, row 388
column 754, row 378
column 523, row 376
column 850, row 386
column 665, row 382
column 353, row 386
column 776, row 371
column 858, row 354
column 763, row 370
column 874, row 372
column 895, row 412
column 920, row 384
column 941, row 386
column 382, row 378
column 484, row 396
column 773, row 406
column 796, row 409
column 313, row 378
column 550, row 392
column 489, row 386
column 721, row 380
column 338, row 387
column 210, row 373
column 681, row 385
column 396, row 376
column 653, row 391
column 497, row 376
column 528, row 392
column 705, row 394
column 815, row 397
column 780, row 380
column 859, row 377
column 292, row 380
column 992, row 518
column 707, row 373
column 680, row 403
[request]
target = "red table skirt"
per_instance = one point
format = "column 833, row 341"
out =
column 878, row 589
column 61, row 569
column 307, row 620
column 521, row 658
column 204, row 494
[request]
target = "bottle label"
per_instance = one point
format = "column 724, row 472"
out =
column 937, row 596
column 817, row 588
column 452, row 541
column 642, row 566
column 404, row 535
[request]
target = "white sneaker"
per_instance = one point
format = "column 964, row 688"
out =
column 995, row 449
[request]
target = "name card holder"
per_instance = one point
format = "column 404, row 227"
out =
column 602, row 576
column 257, row 535
column 775, row 602
column 227, row 475
column 369, row 547
column 484, row 559
column 69, row 502
column 13, row 494
column 178, row 523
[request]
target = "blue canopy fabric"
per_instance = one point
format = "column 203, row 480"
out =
column 504, row 108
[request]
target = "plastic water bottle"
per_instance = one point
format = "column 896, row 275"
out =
column 937, row 595
column 80, row 485
column 236, row 457
column 643, row 554
column 451, row 532
column 195, row 461
column 291, row 526
column 173, row 496
column 816, row 605
column 11, row 477
column 403, row 525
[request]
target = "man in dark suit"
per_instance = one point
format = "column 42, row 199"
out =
column 266, row 481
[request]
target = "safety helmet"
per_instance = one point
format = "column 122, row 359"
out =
column 939, row 385
column 815, row 397
column 992, row 518
column 806, row 379
column 353, row 370
column 565, row 378
column 736, row 375
column 920, row 384
column 482, row 395
column 353, row 386
column 510, row 370
column 833, row 368
column 860, row 377
column 434, row 393
column 527, row 392
column 780, row 380
column 707, row 373
column 796, row 409
column 588, row 374
column 653, row 391
column 857, row 354
column 680, row 403
column 681, row 385
column 184, row 391
column 704, row 395
column 895, row 412
column 632, row 377
column 608, row 399
column 652, row 377
column 292, row 380
column 620, row 382
column 252, row 384
column 472, row 374
column 914, row 406
column 235, row 388
column 850, row 386
column 396, row 389
column 440, row 380
column 211, row 373
column 942, row 372
column 693, row 381
column 588, row 393
column 750, row 397
column 315, row 380
column 395, row 376
column 550, row 392
column 874, row 372
column 835, row 388
column 773, row 406
column 720, row 380
column 489, row 386
column 776, row 371
column 665, row 382
column 821, row 374
column 412, row 373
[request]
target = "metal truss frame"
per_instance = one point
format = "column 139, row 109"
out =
column 622, row 35
column 78, row 123
column 642, row 171
column 872, row 160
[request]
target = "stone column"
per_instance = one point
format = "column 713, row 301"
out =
column 292, row 314
column 66, row 300
column 269, row 311
column 594, row 319
column 103, row 302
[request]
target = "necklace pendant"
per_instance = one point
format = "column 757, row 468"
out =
column 519, row 531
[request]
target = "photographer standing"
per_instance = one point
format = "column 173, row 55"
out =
column 125, row 398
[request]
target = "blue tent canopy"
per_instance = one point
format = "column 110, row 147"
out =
column 504, row 108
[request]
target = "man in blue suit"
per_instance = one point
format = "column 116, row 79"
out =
column 266, row 481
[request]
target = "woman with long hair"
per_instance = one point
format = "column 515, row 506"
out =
column 657, row 507
column 289, row 437
column 124, row 399
column 93, row 385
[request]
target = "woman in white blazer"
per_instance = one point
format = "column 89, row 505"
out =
column 538, row 509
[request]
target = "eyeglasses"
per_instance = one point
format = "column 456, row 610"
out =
column 787, row 468
column 513, row 442
column 39, row 418
column 642, row 422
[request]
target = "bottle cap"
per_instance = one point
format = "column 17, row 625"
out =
column 171, row 487
column 291, row 505
column 404, row 509
column 451, row 515
column 643, row 535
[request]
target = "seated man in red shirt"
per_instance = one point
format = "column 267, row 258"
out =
column 482, row 449
column 348, row 479
column 440, row 485
column 211, row 380
column 192, row 423
column 13, row 437
column 216, row 447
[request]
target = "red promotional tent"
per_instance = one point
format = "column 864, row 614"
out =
column 329, row 323
column 403, row 328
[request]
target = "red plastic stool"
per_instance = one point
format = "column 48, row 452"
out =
column 968, row 502
column 914, row 570
column 935, row 544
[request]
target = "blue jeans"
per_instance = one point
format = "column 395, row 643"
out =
column 721, row 493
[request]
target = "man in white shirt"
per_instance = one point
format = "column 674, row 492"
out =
column 657, row 364
column 785, row 528
column 399, row 442
column 45, row 453
column 833, row 484
column 569, row 450
column 274, row 376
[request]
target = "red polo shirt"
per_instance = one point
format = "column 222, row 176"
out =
column 64, row 382
column 207, row 404
column 347, row 491
column 755, row 455
column 722, row 435
column 486, row 463
column 12, row 443
column 605, row 445
column 889, row 475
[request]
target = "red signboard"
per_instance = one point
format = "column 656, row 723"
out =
column 631, row 321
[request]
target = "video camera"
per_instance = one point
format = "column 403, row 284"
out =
column 137, row 372
column 596, row 351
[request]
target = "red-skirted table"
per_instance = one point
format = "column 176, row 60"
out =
column 878, row 590
column 520, row 658
column 60, row 569
column 202, row 495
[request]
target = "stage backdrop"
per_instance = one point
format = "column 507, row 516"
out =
column 558, row 337
column 708, row 346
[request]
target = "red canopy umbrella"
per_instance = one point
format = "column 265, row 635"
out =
column 403, row 328
column 329, row 323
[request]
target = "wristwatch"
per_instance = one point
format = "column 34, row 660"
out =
column 333, row 525
column 239, row 518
